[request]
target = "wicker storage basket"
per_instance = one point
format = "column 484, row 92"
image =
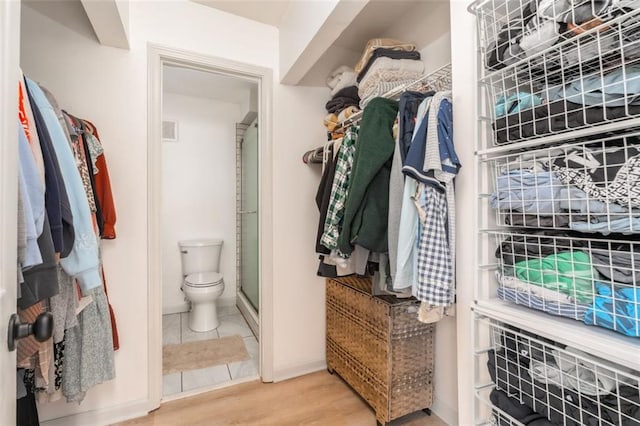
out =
column 378, row 346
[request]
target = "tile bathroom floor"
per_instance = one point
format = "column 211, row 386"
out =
column 175, row 331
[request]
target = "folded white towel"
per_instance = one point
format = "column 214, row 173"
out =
column 387, row 69
column 334, row 77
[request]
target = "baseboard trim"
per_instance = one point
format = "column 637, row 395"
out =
column 447, row 413
column 281, row 374
column 103, row 416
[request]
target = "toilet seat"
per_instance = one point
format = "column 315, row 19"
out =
column 203, row 279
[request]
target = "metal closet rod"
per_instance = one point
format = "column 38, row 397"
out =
column 439, row 79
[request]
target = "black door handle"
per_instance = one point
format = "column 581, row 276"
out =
column 41, row 328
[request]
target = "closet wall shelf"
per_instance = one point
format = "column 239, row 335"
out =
column 545, row 142
column 594, row 340
column 437, row 80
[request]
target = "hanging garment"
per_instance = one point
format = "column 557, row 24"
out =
column 103, row 191
column 32, row 201
column 88, row 356
column 39, row 273
column 408, row 114
column 83, row 261
column 322, row 202
column 74, row 136
column 406, row 269
column 323, row 199
column 339, row 189
column 396, row 189
column 56, row 198
column 433, row 257
column 29, row 126
column 367, row 207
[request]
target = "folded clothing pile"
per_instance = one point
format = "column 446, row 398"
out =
column 344, row 100
column 386, row 64
column 544, row 23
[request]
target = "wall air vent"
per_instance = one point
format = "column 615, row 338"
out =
column 169, row 131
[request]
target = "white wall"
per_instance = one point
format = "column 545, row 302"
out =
column 109, row 86
column 198, row 189
column 295, row 219
column 300, row 24
column 463, row 62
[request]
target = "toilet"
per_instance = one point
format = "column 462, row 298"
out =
column 202, row 282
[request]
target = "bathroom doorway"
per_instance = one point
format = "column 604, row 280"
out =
column 208, row 184
column 202, row 112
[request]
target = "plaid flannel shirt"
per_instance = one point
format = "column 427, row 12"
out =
column 339, row 189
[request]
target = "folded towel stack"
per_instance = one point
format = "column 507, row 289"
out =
column 386, row 64
column 344, row 101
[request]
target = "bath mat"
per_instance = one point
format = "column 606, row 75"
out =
column 203, row 354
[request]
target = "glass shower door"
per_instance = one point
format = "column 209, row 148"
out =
column 249, row 215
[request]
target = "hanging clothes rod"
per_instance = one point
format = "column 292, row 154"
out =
column 314, row 156
column 437, row 80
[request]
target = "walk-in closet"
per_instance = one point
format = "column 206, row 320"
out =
column 444, row 228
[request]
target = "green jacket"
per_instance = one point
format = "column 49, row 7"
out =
column 367, row 204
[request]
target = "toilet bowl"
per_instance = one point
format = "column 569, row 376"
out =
column 202, row 283
column 203, row 289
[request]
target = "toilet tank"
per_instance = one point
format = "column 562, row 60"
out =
column 200, row 255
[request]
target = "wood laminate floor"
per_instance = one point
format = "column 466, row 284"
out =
column 314, row 399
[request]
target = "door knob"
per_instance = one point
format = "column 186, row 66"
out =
column 41, row 328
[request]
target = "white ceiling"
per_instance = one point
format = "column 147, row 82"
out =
column 190, row 82
column 268, row 12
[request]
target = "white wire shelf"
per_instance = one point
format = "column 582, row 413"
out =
column 437, row 80
column 528, row 35
column 599, row 342
column 553, row 380
column 590, row 82
column 587, row 186
column 605, row 130
column 591, row 280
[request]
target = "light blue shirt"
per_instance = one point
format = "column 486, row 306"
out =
column 617, row 88
column 32, row 194
column 83, row 262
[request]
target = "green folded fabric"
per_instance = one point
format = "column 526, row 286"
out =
column 569, row 272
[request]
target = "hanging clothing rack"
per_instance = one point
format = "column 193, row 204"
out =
column 437, row 80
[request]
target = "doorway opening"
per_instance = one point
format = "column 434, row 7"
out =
column 209, row 179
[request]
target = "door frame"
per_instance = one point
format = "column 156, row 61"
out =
column 9, row 77
column 157, row 57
